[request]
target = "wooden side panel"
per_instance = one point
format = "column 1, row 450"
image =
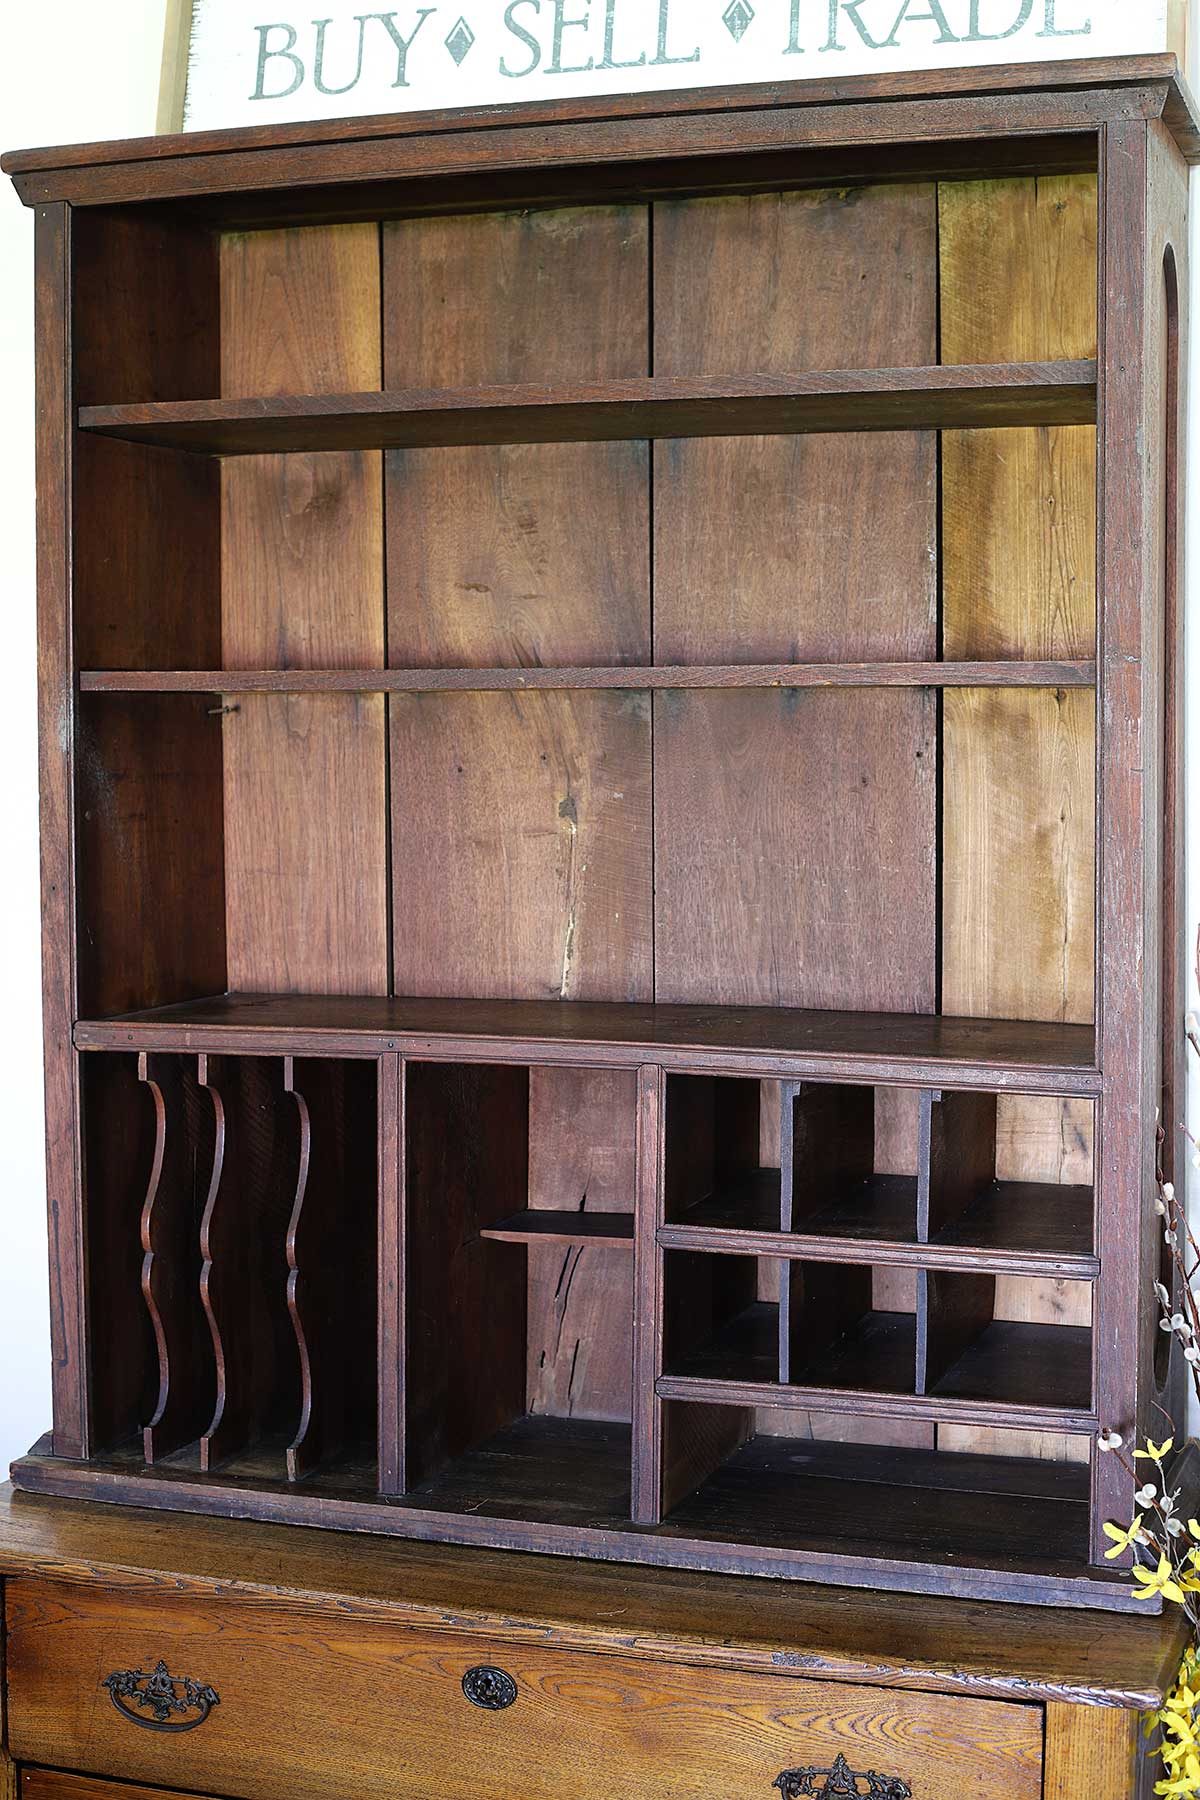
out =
column 794, row 839
column 582, row 1159
column 1091, row 1750
column 302, row 586
column 522, row 845
column 1018, row 279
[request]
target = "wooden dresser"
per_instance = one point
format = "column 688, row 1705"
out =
column 330, row 1664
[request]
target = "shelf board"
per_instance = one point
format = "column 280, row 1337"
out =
column 613, row 1230
column 1023, row 1364
column 917, row 1049
column 662, row 406
column 1008, row 674
column 1013, row 1228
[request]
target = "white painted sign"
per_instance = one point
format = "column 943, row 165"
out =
column 260, row 61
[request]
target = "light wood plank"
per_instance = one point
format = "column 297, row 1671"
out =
column 1090, row 1750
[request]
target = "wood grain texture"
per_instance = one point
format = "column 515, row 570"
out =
column 1092, row 1751
column 184, row 1156
column 1018, row 263
column 302, row 582
column 548, row 792
column 826, row 1633
column 776, row 818
column 582, row 1165
column 648, row 1723
column 773, row 284
column 614, row 411
column 534, row 555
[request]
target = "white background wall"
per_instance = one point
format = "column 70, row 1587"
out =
column 74, row 71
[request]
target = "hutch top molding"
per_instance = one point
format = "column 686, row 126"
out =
column 610, row 772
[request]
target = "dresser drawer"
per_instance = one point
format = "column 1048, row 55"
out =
column 295, row 1704
column 52, row 1784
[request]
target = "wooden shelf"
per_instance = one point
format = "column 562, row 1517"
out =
column 1007, row 674
column 611, row 1230
column 1015, row 1228
column 920, row 1049
column 915, row 399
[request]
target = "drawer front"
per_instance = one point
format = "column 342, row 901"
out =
column 290, row 1704
column 52, row 1784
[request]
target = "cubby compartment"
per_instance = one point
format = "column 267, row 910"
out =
column 518, row 1233
column 231, row 1205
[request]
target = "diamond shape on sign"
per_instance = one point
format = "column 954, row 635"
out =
column 738, row 17
column 460, row 41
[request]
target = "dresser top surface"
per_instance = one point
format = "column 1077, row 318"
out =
column 1017, row 1652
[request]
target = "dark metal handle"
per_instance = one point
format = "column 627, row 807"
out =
column 160, row 1701
column 840, row 1782
column 493, row 1689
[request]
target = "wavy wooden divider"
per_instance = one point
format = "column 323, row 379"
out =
column 242, row 1240
column 171, row 1258
column 332, row 1255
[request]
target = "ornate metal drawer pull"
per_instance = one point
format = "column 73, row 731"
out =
column 840, row 1783
column 167, row 1698
column 490, row 1688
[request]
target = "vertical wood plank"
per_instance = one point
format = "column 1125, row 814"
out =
column 302, row 585
column 650, row 1212
column 56, row 750
column 391, row 1289
column 794, row 843
column 1018, row 280
column 582, row 1159
column 1090, row 1750
column 522, row 846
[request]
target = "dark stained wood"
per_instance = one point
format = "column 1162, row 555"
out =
column 765, row 804
column 578, row 1229
column 983, row 1053
column 256, row 1169
column 151, row 860
column 391, row 1081
column 118, row 1123
column 57, row 726
column 776, row 284
column 302, row 582
column 185, row 1150
column 466, row 1164
column 575, row 133
column 554, row 788
column 895, row 84
column 429, row 681
column 613, row 411
column 332, row 1257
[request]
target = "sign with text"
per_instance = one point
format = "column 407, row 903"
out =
column 261, row 61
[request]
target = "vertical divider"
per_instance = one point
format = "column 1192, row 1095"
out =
column 789, row 1095
column 957, row 1161
column 828, row 1144
column 171, row 1258
column 243, row 1245
column 392, row 1092
column 647, row 1412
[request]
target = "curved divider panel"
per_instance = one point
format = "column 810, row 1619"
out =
column 331, row 1256
column 242, row 1239
column 171, row 1256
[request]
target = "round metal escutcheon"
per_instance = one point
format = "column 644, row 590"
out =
column 490, row 1688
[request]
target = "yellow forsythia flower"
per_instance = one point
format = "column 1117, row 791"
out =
column 1158, row 1581
column 1154, row 1452
column 1123, row 1540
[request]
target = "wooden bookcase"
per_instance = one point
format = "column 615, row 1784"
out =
column 610, row 785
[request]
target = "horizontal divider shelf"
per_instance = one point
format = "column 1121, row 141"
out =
column 613, row 1228
column 918, row 1049
column 1072, row 1421
column 916, row 399
column 797, row 1247
column 1008, row 674
column 1014, row 1228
